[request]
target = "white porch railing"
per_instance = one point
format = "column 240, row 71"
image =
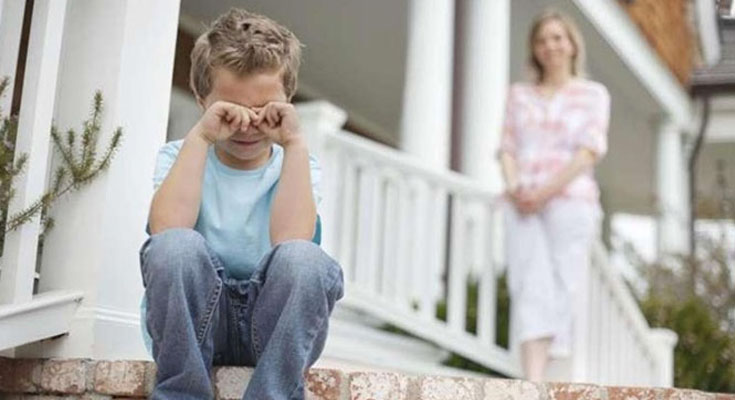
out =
column 24, row 317
column 616, row 345
column 407, row 236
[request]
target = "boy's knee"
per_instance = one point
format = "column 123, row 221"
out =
column 176, row 241
column 175, row 251
column 305, row 263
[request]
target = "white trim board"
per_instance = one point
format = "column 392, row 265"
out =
column 46, row 315
column 97, row 333
column 621, row 33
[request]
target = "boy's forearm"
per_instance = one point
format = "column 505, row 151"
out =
column 176, row 202
column 293, row 214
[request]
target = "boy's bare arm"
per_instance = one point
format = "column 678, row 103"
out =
column 293, row 213
column 176, row 202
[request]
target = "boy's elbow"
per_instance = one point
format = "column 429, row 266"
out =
column 305, row 232
column 160, row 223
column 278, row 239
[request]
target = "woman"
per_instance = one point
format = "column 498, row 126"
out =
column 555, row 131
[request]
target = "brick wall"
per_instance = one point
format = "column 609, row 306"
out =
column 667, row 26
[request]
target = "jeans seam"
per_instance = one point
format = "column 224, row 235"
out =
column 307, row 350
column 254, row 338
column 213, row 299
column 259, row 278
column 209, row 312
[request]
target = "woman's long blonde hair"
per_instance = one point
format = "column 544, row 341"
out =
column 579, row 57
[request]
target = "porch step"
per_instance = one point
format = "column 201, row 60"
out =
column 101, row 380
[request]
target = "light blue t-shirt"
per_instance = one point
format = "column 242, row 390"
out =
column 234, row 215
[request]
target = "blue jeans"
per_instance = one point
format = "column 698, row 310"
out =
column 198, row 317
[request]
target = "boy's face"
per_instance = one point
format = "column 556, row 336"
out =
column 247, row 149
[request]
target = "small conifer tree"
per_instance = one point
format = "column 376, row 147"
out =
column 80, row 164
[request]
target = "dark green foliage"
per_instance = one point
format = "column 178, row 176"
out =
column 79, row 165
column 705, row 354
column 695, row 297
column 502, row 323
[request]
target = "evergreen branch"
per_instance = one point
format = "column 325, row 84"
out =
column 110, row 151
column 4, row 82
column 67, row 153
column 24, row 216
column 91, row 133
column 59, row 178
column 73, row 173
column 20, row 165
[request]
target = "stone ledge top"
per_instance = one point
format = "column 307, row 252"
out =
column 80, row 378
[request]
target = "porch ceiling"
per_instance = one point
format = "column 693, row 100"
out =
column 354, row 52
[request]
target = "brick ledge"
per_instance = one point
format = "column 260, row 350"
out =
column 101, row 380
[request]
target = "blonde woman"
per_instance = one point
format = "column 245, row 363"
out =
column 555, row 132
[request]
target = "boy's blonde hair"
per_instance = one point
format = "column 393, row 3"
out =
column 579, row 57
column 244, row 43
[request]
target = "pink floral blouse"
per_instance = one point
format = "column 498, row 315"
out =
column 544, row 133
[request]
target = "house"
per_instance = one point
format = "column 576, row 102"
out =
column 402, row 102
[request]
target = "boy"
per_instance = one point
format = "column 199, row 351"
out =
column 231, row 274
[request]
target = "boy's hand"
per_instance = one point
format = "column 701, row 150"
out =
column 280, row 122
column 222, row 119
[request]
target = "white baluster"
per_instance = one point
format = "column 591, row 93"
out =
column 348, row 218
column 389, row 235
column 419, row 252
column 403, row 242
column 487, row 286
column 457, row 286
column 593, row 327
column 436, row 251
column 332, row 163
column 605, row 334
column 34, row 124
column 367, row 226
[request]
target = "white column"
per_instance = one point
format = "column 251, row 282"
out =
column 125, row 49
column 485, row 41
column 320, row 119
column 427, row 97
column 486, row 52
column 672, row 194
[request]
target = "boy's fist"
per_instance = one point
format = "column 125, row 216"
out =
column 222, row 119
column 280, row 122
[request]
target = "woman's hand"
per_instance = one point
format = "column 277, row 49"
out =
column 532, row 201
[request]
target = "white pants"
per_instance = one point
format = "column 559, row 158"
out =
column 548, row 256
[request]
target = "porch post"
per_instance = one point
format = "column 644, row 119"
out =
column 485, row 38
column 125, row 49
column 427, row 97
column 672, row 195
